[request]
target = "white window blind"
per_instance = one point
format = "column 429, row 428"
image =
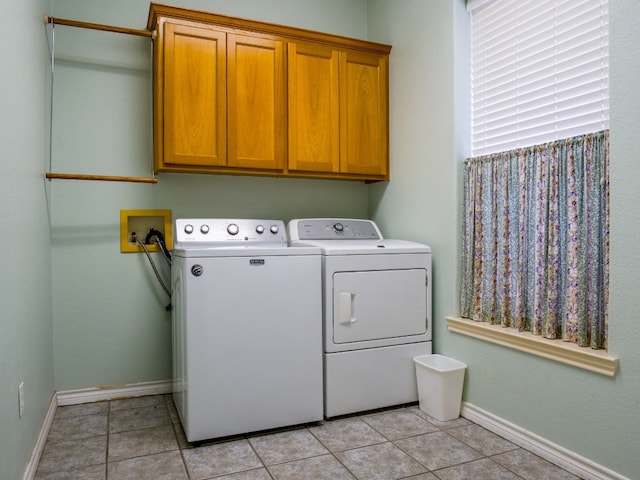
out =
column 540, row 71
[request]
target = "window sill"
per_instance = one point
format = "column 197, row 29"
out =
column 598, row 361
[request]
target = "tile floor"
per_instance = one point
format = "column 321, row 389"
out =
column 142, row 439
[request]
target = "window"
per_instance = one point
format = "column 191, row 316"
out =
column 539, row 71
column 535, row 247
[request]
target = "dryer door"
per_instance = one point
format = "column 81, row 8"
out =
column 373, row 305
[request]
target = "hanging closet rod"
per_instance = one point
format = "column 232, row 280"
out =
column 105, row 178
column 107, row 28
column 97, row 26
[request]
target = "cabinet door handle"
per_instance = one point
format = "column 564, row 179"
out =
column 346, row 313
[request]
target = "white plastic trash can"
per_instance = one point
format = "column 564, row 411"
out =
column 440, row 381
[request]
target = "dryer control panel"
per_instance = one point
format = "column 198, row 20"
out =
column 334, row 229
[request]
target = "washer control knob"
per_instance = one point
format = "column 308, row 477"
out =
column 260, row 229
column 338, row 227
column 188, row 229
column 204, row 229
column 232, row 229
column 273, row 229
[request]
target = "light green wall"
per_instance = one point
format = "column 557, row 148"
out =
column 25, row 287
column 420, row 201
column 110, row 326
column 592, row 415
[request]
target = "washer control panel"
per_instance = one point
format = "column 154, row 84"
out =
column 226, row 232
column 334, row 229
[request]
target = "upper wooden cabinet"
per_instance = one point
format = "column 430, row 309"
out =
column 220, row 99
column 256, row 103
column 364, row 116
column 243, row 97
column 190, row 93
column 338, row 111
column 314, row 108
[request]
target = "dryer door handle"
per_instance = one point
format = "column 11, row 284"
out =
column 346, row 312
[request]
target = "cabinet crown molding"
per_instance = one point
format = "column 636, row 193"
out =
column 157, row 10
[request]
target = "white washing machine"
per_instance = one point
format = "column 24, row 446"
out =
column 376, row 310
column 247, row 328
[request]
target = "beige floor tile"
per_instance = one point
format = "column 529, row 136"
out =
column 82, row 409
column 478, row 469
column 137, row 402
column 379, row 462
column 124, row 420
column 257, row 474
column 171, row 407
column 437, row 450
column 425, row 476
column 530, row 466
column 399, row 424
column 338, row 435
column 286, row 446
column 161, row 466
column 444, row 425
column 220, row 459
column 72, row 454
column 324, row 467
column 138, row 443
column 181, row 437
column 93, row 472
column 482, row 440
column 76, row 427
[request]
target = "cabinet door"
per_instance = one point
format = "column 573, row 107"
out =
column 256, row 102
column 314, row 130
column 194, row 108
column 364, row 113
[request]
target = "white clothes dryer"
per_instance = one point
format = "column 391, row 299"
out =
column 247, row 326
column 376, row 312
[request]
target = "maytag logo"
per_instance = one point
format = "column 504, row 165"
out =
column 256, row 261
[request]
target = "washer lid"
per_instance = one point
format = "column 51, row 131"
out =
column 200, row 251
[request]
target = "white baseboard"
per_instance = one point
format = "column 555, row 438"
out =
column 88, row 395
column 570, row 461
column 112, row 392
column 32, row 466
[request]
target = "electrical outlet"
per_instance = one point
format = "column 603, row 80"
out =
column 21, row 400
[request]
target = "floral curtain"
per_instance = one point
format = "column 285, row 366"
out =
column 535, row 253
